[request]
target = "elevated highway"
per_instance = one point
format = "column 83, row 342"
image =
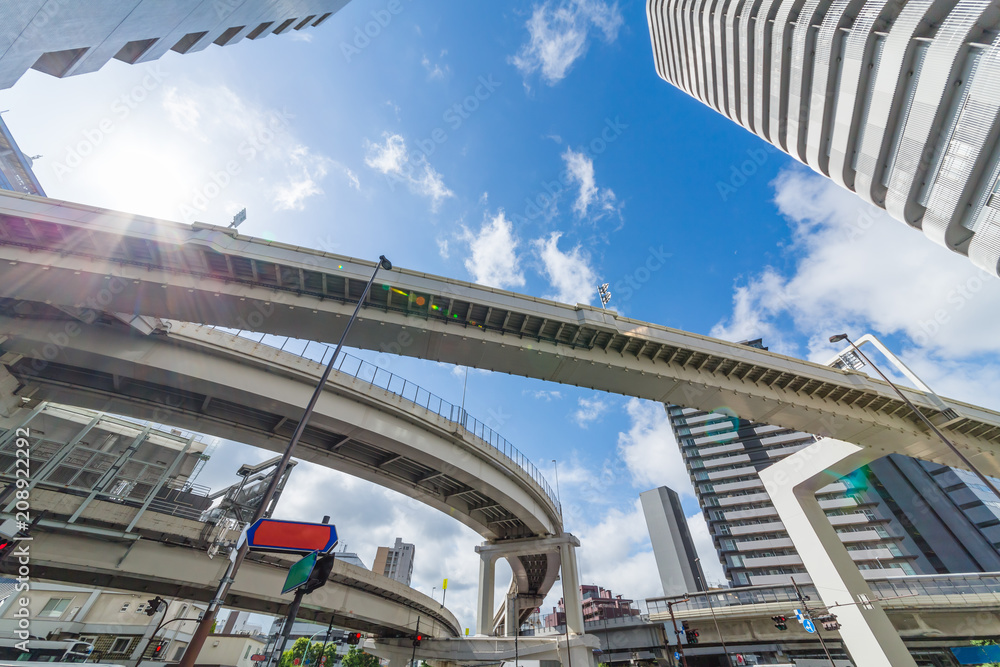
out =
column 87, row 259
column 217, row 383
column 927, row 611
column 168, row 556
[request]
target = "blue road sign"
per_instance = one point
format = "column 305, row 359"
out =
column 808, row 625
column 677, row 655
column 798, row 615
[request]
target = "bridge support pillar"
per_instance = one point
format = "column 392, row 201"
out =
column 792, row 484
column 487, row 582
column 565, row 545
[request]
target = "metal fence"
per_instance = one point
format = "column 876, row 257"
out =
column 376, row 376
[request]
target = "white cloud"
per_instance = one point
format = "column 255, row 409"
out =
column 390, row 158
column 434, row 70
column 493, row 256
column 387, row 158
column 580, row 169
column 543, row 395
column 703, row 544
column 589, row 410
column 857, row 270
column 615, row 553
column 560, row 32
column 568, row 272
column 650, row 450
column 443, row 248
column 182, row 110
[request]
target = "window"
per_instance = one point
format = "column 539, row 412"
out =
column 124, row 608
column 141, row 607
column 55, row 607
column 120, row 644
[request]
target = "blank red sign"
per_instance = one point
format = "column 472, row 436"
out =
column 293, row 536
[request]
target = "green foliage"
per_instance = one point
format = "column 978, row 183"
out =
column 315, row 647
column 357, row 658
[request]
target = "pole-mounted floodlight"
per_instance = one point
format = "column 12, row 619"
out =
column 927, row 422
column 602, row 291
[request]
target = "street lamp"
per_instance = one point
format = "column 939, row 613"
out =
column 205, row 626
column 708, row 595
column 985, row 480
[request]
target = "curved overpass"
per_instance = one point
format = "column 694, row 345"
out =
column 220, row 384
column 79, row 257
column 171, row 560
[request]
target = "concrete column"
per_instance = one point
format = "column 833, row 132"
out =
column 792, row 484
column 510, row 615
column 571, row 589
column 487, row 581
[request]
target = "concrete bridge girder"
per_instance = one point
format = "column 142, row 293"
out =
column 274, row 384
column 356, row 598
column 213, row 275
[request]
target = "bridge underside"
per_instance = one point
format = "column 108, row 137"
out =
column 215, row 383
column 73, row 256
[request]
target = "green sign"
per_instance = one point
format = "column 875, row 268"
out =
column 298, row 574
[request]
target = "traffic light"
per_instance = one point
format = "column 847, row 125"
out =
column 416, row 639
column 353, row 638
column 829, row 621
column 158, row 651
column 153, row 606
column 690, row 634
column 320, row 573
column 779, row 622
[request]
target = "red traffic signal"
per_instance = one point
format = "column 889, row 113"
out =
column 158, row 650
column 353, row 637
column 416, row 639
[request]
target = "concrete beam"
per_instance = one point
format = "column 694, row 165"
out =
column 615, row 354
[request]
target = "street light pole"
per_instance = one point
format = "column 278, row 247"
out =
column 558, row 497
column 927, row 422
column 205, row 626
column 677, row 634
column 805, row 607
column 708, row 595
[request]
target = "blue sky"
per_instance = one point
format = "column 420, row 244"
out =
column 524, row 145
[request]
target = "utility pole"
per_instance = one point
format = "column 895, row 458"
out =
column 805, row 609
column 205, row 626
column 677, row 634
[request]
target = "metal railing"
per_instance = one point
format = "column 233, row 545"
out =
column 376, row 376
column 974, row 583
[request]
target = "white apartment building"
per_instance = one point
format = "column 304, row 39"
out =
column 63, row 37
column 896, row 101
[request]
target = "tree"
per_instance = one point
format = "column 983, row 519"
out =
column 357, row 658
column 315, row 648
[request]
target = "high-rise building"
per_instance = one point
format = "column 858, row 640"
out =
column 395, row 562
column 15, row 167
column 673, row 548
column 65, row 38
column 896, row 101
column 895, row 516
